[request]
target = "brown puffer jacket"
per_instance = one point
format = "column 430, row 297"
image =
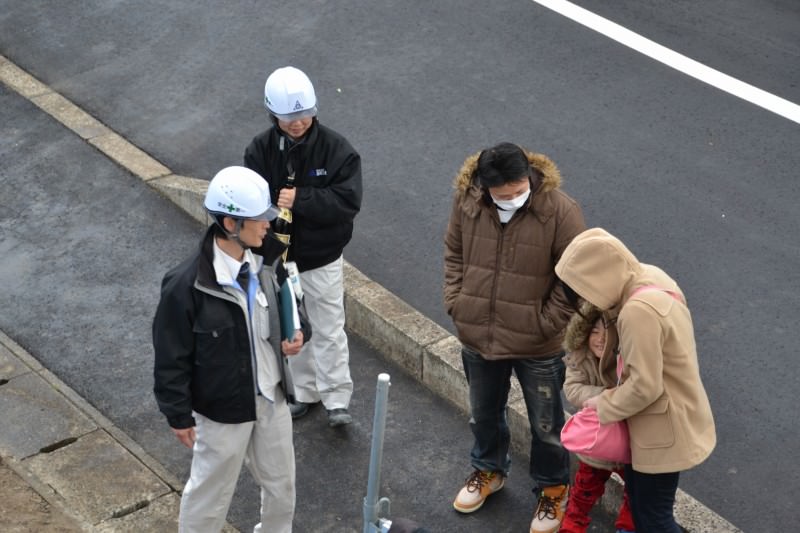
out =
column 500, row 287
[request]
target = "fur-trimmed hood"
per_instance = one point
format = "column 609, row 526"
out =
column 468, row 176
column 577, row 332
column 576, row 341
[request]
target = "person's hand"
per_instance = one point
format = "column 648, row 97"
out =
column 186, row 436
column 591, row 403
column 293, row 347
column 286, row 197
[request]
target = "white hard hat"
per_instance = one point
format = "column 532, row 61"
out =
column 240, row 193
column 289, row 95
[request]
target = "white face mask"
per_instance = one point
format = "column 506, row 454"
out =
column 507, row 208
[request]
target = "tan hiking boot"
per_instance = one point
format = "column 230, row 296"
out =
column 478, row 486
column 550, row 510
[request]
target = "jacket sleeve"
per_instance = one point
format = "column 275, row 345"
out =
column 339, row 200
column 577, row 385
column 305, row 323
column 640, row 347
column 254, row 157
column 556, row 310
column 453, row 258
column 173, row 343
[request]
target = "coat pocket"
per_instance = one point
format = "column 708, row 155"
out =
column 215, row 342
column 454, row 308
column 652, row 427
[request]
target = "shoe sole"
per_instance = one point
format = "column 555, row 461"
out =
column 467, row 510
column 303, row 412
column 300, row 414
column 339, row 423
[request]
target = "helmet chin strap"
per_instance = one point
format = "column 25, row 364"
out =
column 234, row 236
column 240, row 242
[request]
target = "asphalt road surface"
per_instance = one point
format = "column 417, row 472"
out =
column 692, row 178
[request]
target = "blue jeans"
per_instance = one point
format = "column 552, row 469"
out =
column 541, row 381
column 652, row 497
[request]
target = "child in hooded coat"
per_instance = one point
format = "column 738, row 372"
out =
column 591, row 367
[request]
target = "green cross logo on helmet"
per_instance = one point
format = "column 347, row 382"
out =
column 239, row 192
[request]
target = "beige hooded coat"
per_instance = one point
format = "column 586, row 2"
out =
column 661, row 394
column 500, row 288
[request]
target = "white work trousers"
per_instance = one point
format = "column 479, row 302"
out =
column 321, row 371
column 265, row 446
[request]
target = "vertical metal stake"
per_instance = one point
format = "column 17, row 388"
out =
column 374, row 508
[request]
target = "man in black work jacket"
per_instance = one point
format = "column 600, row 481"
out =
column 316, row 173
column 220, row 374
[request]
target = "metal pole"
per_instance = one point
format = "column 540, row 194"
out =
column 373, row 508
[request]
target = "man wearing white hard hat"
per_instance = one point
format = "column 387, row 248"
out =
column 220, row 365
column 316, row 174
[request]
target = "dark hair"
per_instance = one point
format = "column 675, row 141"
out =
column 572, row 297
column 501, row 164
column 219, row 225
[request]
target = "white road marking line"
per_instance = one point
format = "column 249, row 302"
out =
column 679, row 62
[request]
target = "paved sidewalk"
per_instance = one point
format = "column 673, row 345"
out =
column 88, row 469
column 92, row 476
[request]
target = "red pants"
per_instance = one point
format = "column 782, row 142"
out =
column 590, row 483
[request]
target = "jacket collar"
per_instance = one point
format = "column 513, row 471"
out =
column 285, row 143
column 474, row 199
column 206, row 276
column 206, row 270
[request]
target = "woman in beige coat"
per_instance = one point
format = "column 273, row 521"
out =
column 661, row 394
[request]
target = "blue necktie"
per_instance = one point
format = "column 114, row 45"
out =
column 244, row 277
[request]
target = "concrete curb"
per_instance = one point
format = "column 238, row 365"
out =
column 422, row 347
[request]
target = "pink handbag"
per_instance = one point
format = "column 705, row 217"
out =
column 585, row 435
